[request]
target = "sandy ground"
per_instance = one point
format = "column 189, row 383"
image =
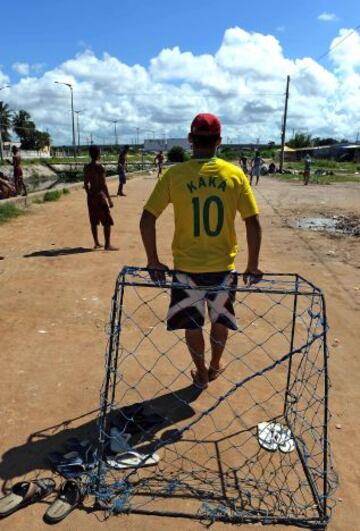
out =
column 54, row 304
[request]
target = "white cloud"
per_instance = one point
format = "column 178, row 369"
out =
column 327, row 17
column 24, row 69
column 280, row 28
column 243, row 82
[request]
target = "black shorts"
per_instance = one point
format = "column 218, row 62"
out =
column 187, row 306
column 122, row 174
column 99, row 211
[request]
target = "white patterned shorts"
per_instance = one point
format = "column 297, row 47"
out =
column 187, row 306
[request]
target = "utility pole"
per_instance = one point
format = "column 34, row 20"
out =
column 78, row 127
column 283, row 132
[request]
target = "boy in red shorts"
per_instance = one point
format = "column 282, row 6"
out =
column 98, row 199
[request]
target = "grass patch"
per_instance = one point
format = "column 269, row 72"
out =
column 9, row 211
column 321, row 179
column 53, row 195
column 37, row 201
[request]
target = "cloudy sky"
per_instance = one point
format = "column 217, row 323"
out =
column 153, row 66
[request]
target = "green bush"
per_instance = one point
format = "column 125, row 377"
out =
column 9, row 211
column 37, row 201
column 53, row 195
column 177, row 154
column 65, row 191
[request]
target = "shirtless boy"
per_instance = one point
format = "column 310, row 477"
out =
column 98, row 199
column 18, row 172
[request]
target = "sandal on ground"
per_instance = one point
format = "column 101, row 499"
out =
column 197, row 382
column 132, row 459
column 71, row 494
column 24, row 493
column 215, row 373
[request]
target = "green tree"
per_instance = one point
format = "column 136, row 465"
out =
column 5, row 121
column 317, row 141
column 300, row 140
column 177, row 154
column 30, row 137
column 24, row 127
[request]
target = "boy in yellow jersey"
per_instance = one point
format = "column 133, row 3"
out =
column 206, row 193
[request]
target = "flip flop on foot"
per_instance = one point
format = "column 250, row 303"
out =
column 215, row 373
column 199, row 381
column 111, row 248
column 24, row 493
column 98, row 246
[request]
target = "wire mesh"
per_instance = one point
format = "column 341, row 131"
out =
column 211, row 465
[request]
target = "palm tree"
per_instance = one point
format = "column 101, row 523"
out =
column 24, row 128
column 5, row 120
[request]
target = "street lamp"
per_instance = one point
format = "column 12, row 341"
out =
column 1, row 142
column 78, row 126
column 115, row 131
column 72, row 112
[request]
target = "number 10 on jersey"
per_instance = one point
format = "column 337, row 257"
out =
column 202, row 211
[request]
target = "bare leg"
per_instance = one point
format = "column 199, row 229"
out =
column 218, row 338
column 257, row 180
column 94, row 232
column 120, row 190
column 196, row 345
column 107, row 232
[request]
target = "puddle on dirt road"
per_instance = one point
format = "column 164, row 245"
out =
column 349, row 226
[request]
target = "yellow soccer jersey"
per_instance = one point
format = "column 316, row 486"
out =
column 206, row 194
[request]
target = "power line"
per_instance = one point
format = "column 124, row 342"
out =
column 338, row 43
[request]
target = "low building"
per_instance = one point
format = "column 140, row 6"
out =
column 182, row 142
column 25, row 153
column 338, row 152
column 154, row 144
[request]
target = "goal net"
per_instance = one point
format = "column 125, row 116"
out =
column 253, row 446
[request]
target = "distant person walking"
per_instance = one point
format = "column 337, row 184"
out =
column 98, row 199
column 307, row 169
column 159, row 161
column 18, row 172
column 244, row 165
column 256, row 167
column 122, row 168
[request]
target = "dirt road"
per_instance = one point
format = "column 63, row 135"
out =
column 54, row 303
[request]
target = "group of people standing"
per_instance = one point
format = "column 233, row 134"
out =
column 254, row 168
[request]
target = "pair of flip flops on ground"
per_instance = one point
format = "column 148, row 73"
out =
column 134, row 420
column 24, row 493
column 213, row 374
column 274, row 436
column 81, row 456
column 123, row 456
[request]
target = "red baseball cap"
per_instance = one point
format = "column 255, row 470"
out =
column 206, row 124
